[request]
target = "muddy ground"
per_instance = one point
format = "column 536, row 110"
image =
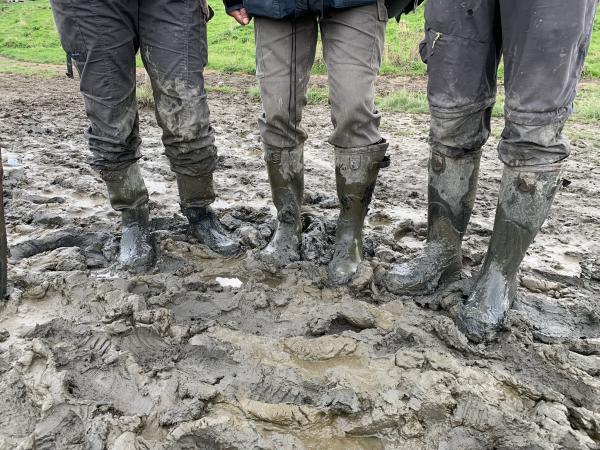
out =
column 210, row 353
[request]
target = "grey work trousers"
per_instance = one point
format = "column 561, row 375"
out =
column 352, row 48
column 544, row 44
column 103, row 37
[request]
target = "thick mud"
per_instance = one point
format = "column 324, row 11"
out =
column 213, row 353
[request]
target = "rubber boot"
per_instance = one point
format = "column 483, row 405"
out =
column 356, row 171
column 196, row 194
column 285, row 168
column 451, row 195
column 127, row 193
column 526, row 195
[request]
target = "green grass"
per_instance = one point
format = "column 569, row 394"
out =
column 27, row 33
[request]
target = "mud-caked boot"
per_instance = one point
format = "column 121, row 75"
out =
column 285, row 168
column 356, row 171
column 526, row 195
column 451, row 195
column 128, row 195
column 196, row 194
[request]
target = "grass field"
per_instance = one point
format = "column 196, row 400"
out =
column 27, row 33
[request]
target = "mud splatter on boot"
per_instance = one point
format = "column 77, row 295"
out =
column 286, row 176
column 526, row 195
column 452, row 188
column 127, row 193
column 196, row 193
column 356, row 171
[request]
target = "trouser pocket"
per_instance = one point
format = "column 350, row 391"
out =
column 67, row 24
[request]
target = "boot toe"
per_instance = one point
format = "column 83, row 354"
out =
column 139, row 258
column 342, row 273
column 406, row 279
column 478, row 326
column 225, row 246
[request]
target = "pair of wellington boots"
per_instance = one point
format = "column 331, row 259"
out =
column 356, row 171
column 526, row 194
column 128, row 194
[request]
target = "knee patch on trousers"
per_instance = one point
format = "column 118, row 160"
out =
column 460, row 132
column 533, row 143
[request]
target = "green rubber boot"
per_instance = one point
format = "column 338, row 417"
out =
column 196, row 194
column 285, row 168
column 526, row 195
column 452, row 188
column 127, row 193
column 356, row 171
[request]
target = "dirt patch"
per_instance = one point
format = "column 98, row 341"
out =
column 211, row 353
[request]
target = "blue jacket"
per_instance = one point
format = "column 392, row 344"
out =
column 287, row 9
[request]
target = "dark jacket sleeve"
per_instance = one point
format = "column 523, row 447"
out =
column 233, row 5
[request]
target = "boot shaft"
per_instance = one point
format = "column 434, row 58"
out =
column 451, row 195
column 126, row 187
column 524, row 202
column 356, row 171
column 195, row 191
column 285, row 168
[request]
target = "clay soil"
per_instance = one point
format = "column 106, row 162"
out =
column 211, row 353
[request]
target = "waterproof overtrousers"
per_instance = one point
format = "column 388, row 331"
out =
column 525, row 198
column 451, row 195
column 128, row 195
column 356, row 171
column 285, row 168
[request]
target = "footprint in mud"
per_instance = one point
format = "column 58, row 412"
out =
column 61, row 429
column 92, row 242
column 88, row 376
column 19, row 414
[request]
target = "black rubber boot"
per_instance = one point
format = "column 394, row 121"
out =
column 526, row 195
column 356, row 171
column 452, row 188
column 196, row 194
column 127, row 193
column 286, row 176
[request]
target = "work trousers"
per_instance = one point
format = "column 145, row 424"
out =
column 352, row 48
column 543, row 43
column 102, row 37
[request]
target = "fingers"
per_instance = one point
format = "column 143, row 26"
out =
column 240, row 16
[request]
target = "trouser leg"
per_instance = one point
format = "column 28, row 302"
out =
column 545, row 44
column 353, row 47
column 101, row 38
column 353, row 41
column 174, row 50
column 542, row 71
column 285, row 52
column 462, row 48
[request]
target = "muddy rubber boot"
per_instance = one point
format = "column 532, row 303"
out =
column 451, row 195
column 196, row 194
column 526, row 195
column 356, row 171
column 285, row 168
column 128, row 195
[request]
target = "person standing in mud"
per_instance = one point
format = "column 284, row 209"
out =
column 544, row 44
column 352, row 33
column 102, row 38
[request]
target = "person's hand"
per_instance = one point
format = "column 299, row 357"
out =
column 241, row 16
